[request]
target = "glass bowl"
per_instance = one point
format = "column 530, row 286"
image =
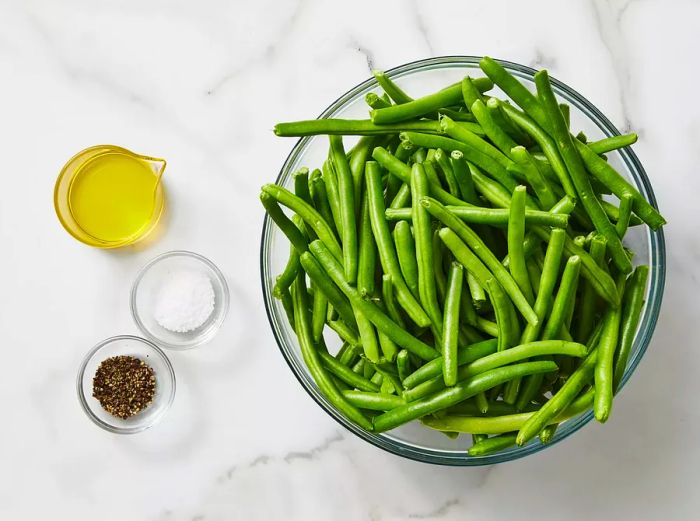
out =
column 139, row 348
column 147, row 284
column 418, row 78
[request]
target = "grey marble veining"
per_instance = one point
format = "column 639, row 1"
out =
column 202, row 84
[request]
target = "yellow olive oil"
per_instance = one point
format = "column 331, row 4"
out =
column 112, row 196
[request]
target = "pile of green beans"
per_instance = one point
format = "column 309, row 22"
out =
column 463, row 255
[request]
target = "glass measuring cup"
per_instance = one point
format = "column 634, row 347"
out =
column 71, row 199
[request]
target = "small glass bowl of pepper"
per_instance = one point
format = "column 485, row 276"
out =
column 126, row 384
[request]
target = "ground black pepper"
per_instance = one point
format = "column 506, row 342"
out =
column 124, row 385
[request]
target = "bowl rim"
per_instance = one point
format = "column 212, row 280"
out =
column 200, row 340
column 651, row 308
column 82, row 398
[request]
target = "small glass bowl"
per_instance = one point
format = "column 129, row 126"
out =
column 414, row 441
column 139, row 348
column 146, row 285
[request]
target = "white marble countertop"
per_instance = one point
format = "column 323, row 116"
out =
column 201, row 84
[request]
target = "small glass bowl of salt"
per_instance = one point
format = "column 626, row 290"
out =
column 179, row 300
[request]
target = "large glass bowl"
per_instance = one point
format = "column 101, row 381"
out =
column 415, row 441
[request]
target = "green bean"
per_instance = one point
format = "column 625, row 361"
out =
column 465, row 355
column 430, row 172
column 394, row 91
column 460, row 392
column 463, row 177
column 385, row 245
column 347, row 208
column 495, row 133
column 406, row 253
column 373, row 401
column 579, row 177
column 301, row 184
column 388, row 298
column 547, row 144
column 403, row 364
column 286, row 279
column 352, row 127
column 602, row 402
column 402, row 197
column 383, row 323
column 489, row 216
column 369, row 372
column 438, row 268
column 318, row 315
column 388, row 347
column 367, row 253
column 310, row 216
column 534, row 272
column 471, row 154
column 482, row 402
column 564, row 298
column 516, row 236
column 344, row 331
column 403, row 151
column 624, row 215
column 418, row 156
column 359, row 366
column 631, row 313
column 375, row 101
column 539, row 184
column 368, row 335
column 548, row 432
column 465, row 256
column 550, row 411
column 446, row 167
column 467, row 309
column 388, row 371
column 450, row 326
column 347, row 354
column 514, row 89
column 491, row 445
column 319, row 197
column 403, row 172
column 477, row 291
column 312, row 359
column 501, row 308
column 456, row 115
column 346, row 374
column 589, row 297
column 424, row 105
column 324, row 284
column 613, row 213
column 476, row 438
column 284, row 223
column 503, row 121
column 288, row 305
column 469, row 92
column 611, row 143
column 424, row 248
column 474, row 241
column 331, row 181
column 357, row 159
column 565, row 113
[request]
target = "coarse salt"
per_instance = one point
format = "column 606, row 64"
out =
column 184, row 301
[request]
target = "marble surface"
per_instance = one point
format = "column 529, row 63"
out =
column 201, row 84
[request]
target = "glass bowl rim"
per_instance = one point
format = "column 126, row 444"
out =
column 651, row 308
column 82, row 398
column 224, row 304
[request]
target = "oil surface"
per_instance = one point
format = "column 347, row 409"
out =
column 112, row 196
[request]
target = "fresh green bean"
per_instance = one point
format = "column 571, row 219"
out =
column 482, row 402
column 375, row 101
column 534, row 272
column 331, row 181
column 358, row 157
column 548, row 432
column 463, row 177
column 489, row 216
column 450, row 179
column 469, row 92
column 402, row 198
column 394, row 91
column 550, row 411
column 403, row 365
column 467, row 309
column 344, row 331
column 324, row 284
column 368, row 335
column 348, row 353
column 312, row 359
column 602, row 402
column 346, row 199
column 284, row 223
column 450, row 326
column 513, row 88
column 457, row 393
column 457, row 115
column 424, row 248
column 406, row 253
column 611, row 143
column 318, row 315
column 425, row 105
column 465, row 355
column 624, row 215
column 385, row 245
column 565, row 113
column 502, row 309
column 352, row 127
column 491, row 445
column 481, row 250
column 477, row 292
column 465, row 256
column 503, row 121
column 301, row 184
column 383, row 323
column 579, row 177
column 516, row 237
column 310, row 216
column 589, row 297
column 495, row 133
column 631, row 313
column 367, row 253
column 286, row 279
column 389, row 302
column 533, row 176
column 373, row 401
column 359, row 366
column 346, row 374
column 319, row 197
column 288, row 306
column 564, row 298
